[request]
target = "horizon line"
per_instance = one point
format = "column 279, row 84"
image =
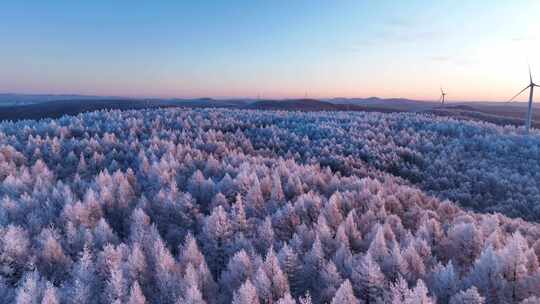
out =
column 225, row 98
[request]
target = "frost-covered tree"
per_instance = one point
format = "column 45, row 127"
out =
column 247, row 294
column 470, row 296
column 136, row 295
column 530, row 300
column 217, row 236
column 292, row 267
column 192, row 296
column 287, row 299
column 345, row 294
column 464, row 243
column 31, row 289
column 368, row 280
column 419, row 295
column 84, row 280
column 487, row 276
column 514, row 267
column 50, row 295
column 331, row 279
column 279, row 285
column 414, row 265
column 239, row 269
column 399, row 291
column 444, row 282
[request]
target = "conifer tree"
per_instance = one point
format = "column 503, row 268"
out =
column 247, row 294
column 470, row 296
column 368, row 280
column 344, row 294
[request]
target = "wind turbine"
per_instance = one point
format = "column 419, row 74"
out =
column 443, row 96
column 529, row 111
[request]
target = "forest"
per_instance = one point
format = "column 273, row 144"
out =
column 215, row 206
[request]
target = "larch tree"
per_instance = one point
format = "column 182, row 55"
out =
column 345, row 294
column 414, row 265
column 419, row 295
column 444, row 282
column 136, row 295
column 399, row 291
column 530, row 300
column 263, row 285
column 192, row 296
column 84, row 280
column 278, row 280
column 291, row 266
column 514, row 267
column 313, row 265
column 246, row 294
column 217, row 232
column 378, row 249
column 277, row 194
column 239, row 269
column 31, row 289
column 331, row 280
column 469, row 296
column 50, row 295
column 487, row 275
column 286, row 299
column 368, row 280
column 254, row 199
column 464, row 244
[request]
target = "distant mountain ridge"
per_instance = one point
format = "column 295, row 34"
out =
column 21, row 99
column 292, row 104
column 28, row 106
column 33, row 98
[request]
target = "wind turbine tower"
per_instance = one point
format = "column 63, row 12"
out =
column 443, row 96
column 531, row 86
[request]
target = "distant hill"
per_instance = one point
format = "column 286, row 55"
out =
column 57, row 108
column 397, row 104
column 204, row 102
column 293, row 104
column 21, row 106
column 501, row 114
column 11, row 99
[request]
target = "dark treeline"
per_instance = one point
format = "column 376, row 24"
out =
column 226, row 206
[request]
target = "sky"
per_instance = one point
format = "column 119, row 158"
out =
column 477, row 50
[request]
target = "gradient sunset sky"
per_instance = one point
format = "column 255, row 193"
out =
column 477, row 50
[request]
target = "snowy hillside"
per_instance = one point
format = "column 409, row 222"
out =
column 245, row 206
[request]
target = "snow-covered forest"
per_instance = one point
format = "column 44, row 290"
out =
column 210, row 206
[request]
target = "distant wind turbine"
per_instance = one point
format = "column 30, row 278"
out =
column 529, row 111
column 443, row 96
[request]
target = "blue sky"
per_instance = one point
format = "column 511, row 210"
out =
column 477, row 50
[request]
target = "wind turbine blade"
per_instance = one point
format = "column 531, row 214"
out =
column 530, row 74
column 515, row 96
